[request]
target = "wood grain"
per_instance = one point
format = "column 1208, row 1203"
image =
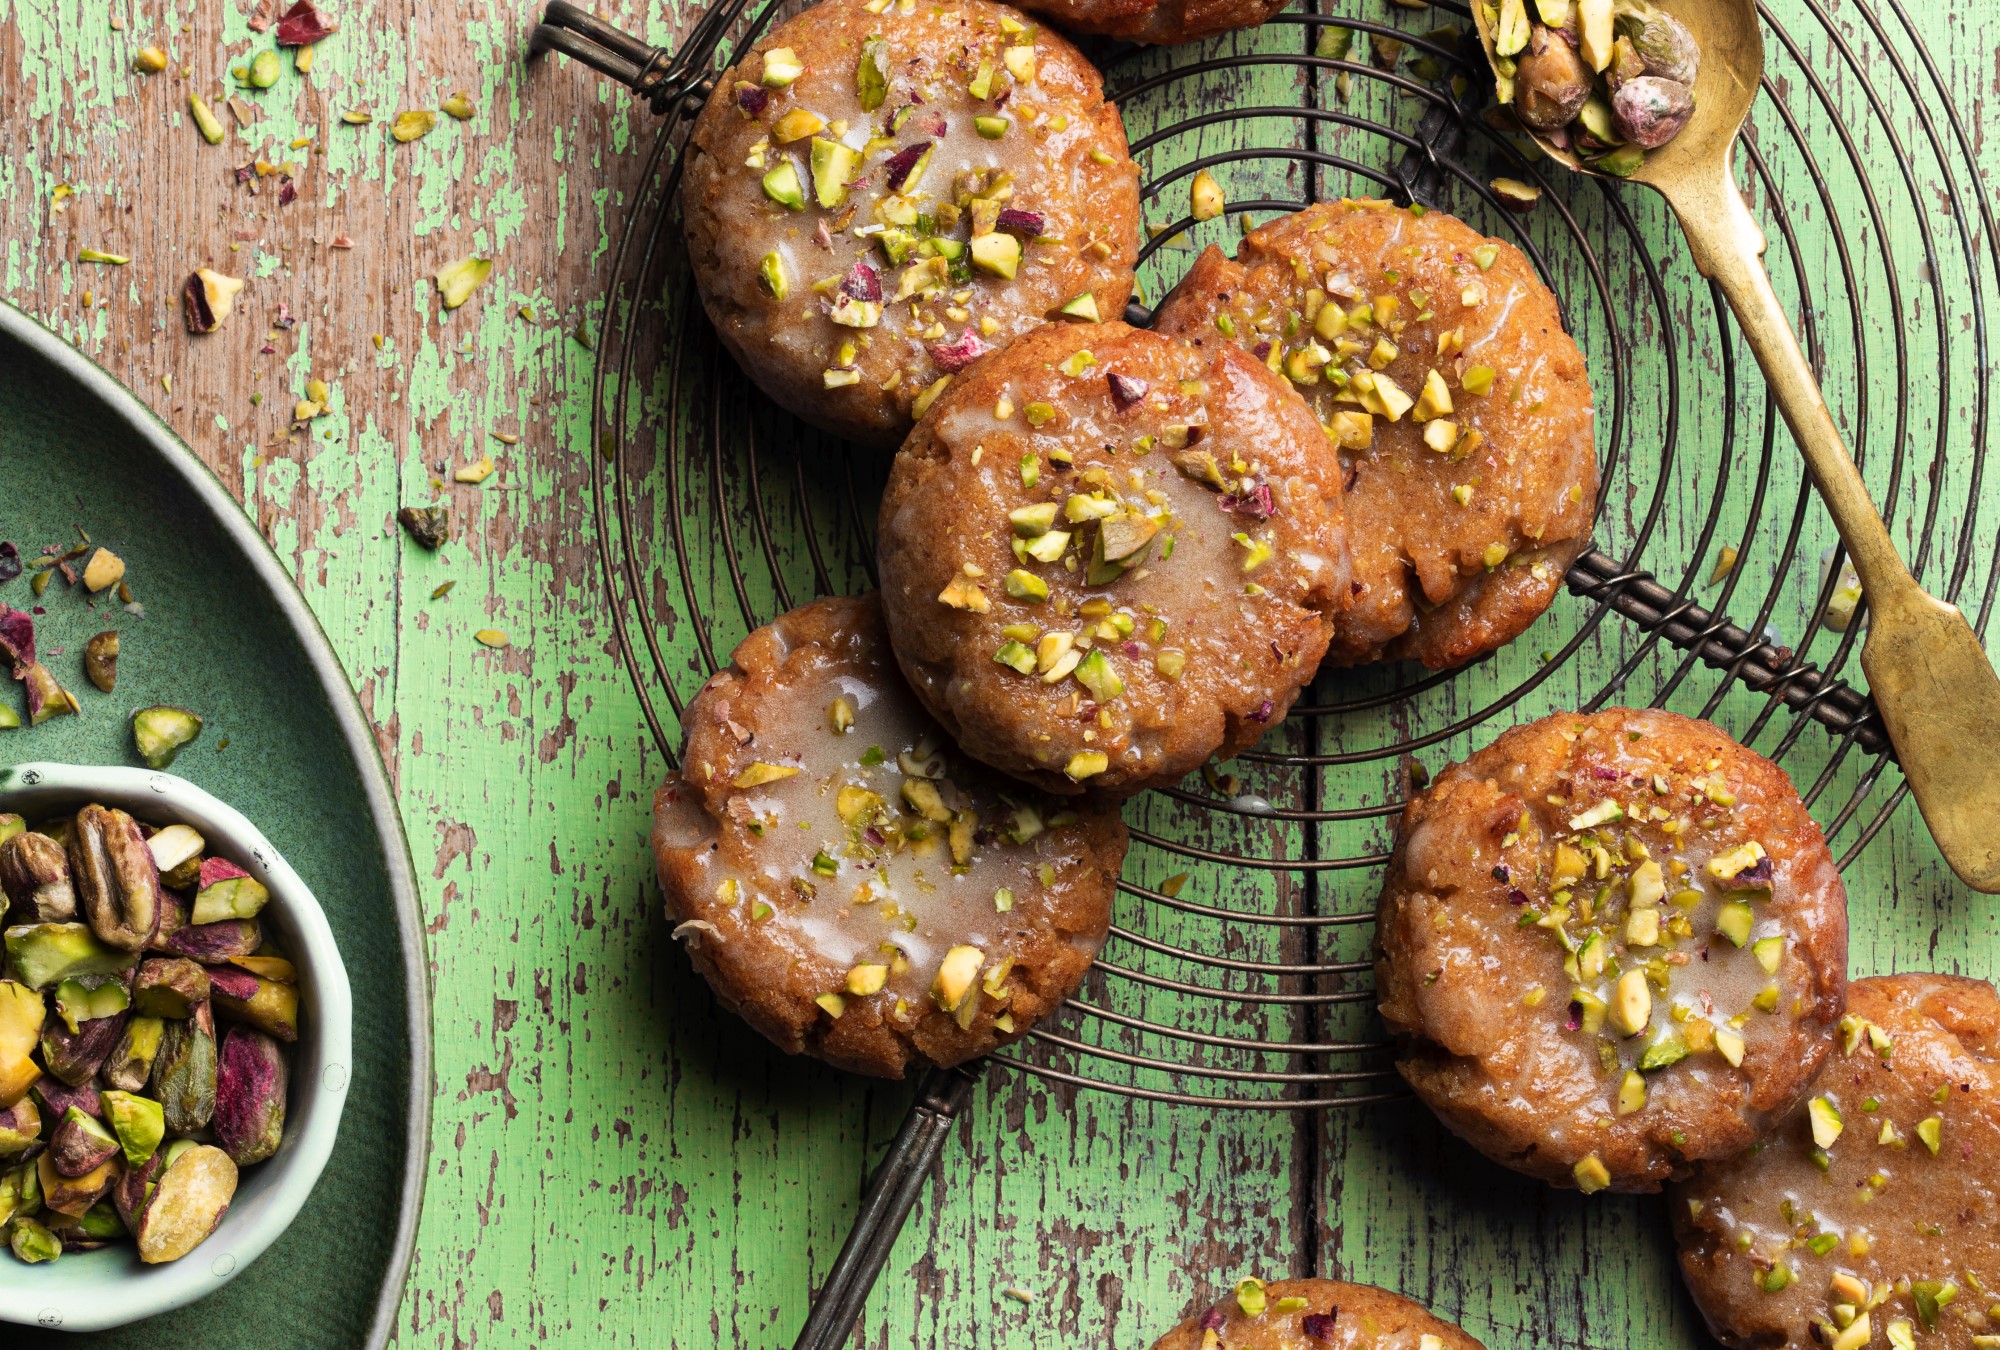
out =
column 617, row 1162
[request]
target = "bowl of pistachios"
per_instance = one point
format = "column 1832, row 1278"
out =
column 175, row 1044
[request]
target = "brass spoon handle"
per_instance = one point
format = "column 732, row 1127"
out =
column 1936, row 689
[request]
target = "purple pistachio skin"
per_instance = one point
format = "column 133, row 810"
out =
column 251, row 1084
column 135, row 1187
column 57, row 1097
column 213, row 943
column 75, row 1057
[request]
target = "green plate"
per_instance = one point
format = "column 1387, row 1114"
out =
column 225, row 633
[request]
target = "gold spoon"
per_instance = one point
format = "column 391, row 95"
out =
column 1937, row 692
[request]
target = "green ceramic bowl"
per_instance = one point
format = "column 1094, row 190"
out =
column 91, row 1291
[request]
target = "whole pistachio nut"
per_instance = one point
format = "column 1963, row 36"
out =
column 130, row 1064
column 250, row 1090
column 75, row 1056
column 117, row 882
column 1550, row 81
column 1650, row 111
column 188, row 1201
column 268, row 1005
column 169, row 987
column 81, row 1144
column 100, row 661
column 20, row 1127
column 1663, row 43
column 184, row 1073
column 34, row 873
column 43, row 954
column 74, row 1195
column 33, row 1243
column 213, row 943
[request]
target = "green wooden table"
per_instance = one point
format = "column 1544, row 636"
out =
column 615, row 1161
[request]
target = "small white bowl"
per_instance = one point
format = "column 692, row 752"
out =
column 93, row 1291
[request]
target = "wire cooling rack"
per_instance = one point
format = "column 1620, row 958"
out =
column 1237, row 970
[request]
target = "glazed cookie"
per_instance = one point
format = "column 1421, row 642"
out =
column 881, row 192
column 852, row 885
column 1321, row 1314
column 1615, row 945
column 1107, row 555
column 1871, row 1216
column 1156, row 21
column 1438, row 362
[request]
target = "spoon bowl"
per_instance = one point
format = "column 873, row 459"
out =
column 1936, row 690
column 1732, row 64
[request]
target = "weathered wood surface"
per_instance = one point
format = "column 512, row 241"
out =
column 617, row 1162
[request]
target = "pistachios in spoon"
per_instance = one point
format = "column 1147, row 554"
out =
column 1606, row 79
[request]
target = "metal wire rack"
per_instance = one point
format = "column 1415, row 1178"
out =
column 1236, row 973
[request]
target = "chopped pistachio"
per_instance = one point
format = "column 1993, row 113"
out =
column 1591, row 1174
column 1025, row 585
column 413, row 124
column 1205, row 198
column 923, row 401
column 1082, row 307
column 476, row 472
column 150, row 60
column 833, row 1005
column 991, row 126
column 997, row 254
column 491, row 637
column 1931, row 1130
column 459, row 106
column 1734, row 921
column 962, row 592
column 1826, row 1121
column 1730, row 1045
column 1631, row 1003
column 867, row 979
column 760, row 773
column 1170, row 662
column 1086, row 764
column 357, row 117
column 211, row 129
column 796, row 125
column 781, row 67
column 457, row 280
column 782, row 186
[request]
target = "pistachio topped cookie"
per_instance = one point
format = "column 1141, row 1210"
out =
column 1315, row 1314
column 1107, row 555
column 882, row 191
column 1870, row 1216
column 1614, row 944
column 851, row 884
column 1437, row 361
